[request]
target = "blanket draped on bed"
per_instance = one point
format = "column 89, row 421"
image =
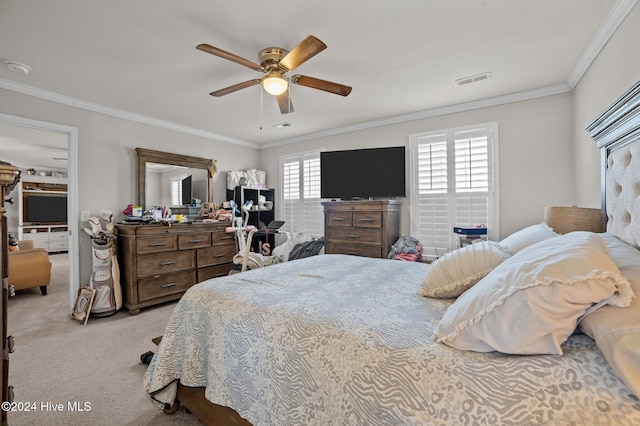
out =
column 338, row 340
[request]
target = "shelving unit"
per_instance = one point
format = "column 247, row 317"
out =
column 54, row 237
column 258, row 217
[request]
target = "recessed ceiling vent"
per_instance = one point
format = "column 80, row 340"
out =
column 473, row 79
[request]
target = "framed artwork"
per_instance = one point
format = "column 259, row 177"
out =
column 82, row 308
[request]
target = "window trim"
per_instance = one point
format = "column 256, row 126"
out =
column 493, row 227
column 300, row 155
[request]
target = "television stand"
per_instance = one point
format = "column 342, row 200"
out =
column 53, row 238
column 363, row 227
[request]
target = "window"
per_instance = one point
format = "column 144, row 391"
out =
column 176, row 190
column 302, row 211
column 454, row 183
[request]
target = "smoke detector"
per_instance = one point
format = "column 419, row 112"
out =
column 473, row 79
column 18, row 66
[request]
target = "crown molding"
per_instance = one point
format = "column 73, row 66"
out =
column 600, row 39
column 429, row 113
column 605, row 32
column 79, row 103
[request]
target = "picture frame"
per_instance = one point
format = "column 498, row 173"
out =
column 84, row 302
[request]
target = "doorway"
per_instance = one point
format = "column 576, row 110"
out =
column 72, row 189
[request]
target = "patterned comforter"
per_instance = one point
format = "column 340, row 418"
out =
column 346, row 340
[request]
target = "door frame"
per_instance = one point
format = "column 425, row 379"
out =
column 72, row 191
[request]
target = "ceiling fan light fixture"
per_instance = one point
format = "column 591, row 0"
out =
column 274, row 84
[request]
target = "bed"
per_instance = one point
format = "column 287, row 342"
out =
column 335, row 339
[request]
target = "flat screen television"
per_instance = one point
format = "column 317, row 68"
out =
column 46, row 209
column 186, row 191
column 363, row 173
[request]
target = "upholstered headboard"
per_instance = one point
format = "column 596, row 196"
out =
column 617, row 133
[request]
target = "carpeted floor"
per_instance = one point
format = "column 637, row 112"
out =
column 60, row 361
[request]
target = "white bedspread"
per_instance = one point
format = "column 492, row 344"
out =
column 346, row 340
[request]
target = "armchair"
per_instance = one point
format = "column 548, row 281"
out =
column 29, row 267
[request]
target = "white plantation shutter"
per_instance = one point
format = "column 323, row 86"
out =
column 453, row 175
column 302, row 211
column 176, row 190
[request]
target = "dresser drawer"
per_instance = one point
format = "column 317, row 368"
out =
column 160, row 263
column 156, row 244
column 354, row 235
column 215, row 255
column 339, row 218
column 214, row 272
column 191, row 241
column 355, row 249
column 223, row 237
column 163, row 285
column 367, row 219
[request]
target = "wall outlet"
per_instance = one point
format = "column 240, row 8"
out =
column 85, row 215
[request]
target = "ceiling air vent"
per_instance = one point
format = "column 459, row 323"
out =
column 473, row 79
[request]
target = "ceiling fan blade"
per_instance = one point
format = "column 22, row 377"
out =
column 229, row 56
column 305, row 50
column 235, row 87
column 316, row 83
column 284, row 102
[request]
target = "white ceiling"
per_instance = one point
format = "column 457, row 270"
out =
column 401, row 57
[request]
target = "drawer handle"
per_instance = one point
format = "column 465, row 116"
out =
column 219, row 255
column 338, row 219
column 11, row 344
column 195, row 241
column 352, row 236
column 170, row 262
column 169, row 285
column 353, row 253
column 227, row 238
column 157, row 244
column 220, row 275
column 366, row 220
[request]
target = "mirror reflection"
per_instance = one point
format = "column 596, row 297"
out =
column 174, row 186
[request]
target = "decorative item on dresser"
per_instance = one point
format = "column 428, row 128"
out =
column 159, row 262
column 9, row 177
column 363, row 228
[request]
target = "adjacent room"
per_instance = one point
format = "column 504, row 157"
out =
column 315, row 213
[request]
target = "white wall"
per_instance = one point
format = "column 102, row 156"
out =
column 615, row 70
column 107, row 159
column 536, row 166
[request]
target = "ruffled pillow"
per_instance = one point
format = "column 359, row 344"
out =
column 531, row 303
column 527, row 237
column 458, row 270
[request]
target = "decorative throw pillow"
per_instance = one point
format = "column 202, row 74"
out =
column 531, row 303
column 527, row 237
column 617, row 331
column 458, row 270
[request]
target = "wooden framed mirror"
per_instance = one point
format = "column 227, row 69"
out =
column 172, row 166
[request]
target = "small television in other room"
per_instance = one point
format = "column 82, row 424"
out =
column 186, row 191
column 46, row 209
column 363, row 173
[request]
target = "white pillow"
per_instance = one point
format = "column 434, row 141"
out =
column 617, row 331
column 458, row 270
column 527, row 237
column 531, row 303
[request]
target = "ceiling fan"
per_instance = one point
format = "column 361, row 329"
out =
column 275, row 63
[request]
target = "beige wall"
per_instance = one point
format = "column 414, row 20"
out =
column 536, row 166
column 615, row 70
column 107, row 161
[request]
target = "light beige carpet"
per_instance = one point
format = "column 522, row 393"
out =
column 60, row 361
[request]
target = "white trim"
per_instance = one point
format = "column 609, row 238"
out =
column 606, row 31
column 600, row 39
column 72, row 192
column 79, row 103
column 434, row 112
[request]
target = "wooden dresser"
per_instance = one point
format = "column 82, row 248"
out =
column 159, row 263
column 363, row 228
